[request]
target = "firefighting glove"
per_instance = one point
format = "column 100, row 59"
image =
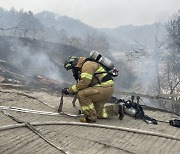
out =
column 65, row 91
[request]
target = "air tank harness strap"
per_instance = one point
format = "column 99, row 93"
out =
column 102, row 71
column 105, row 78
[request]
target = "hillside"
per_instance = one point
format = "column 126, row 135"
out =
column 120, row 38
column 71, row 26
column 129, row 36
column 32, row 58
column 56, row 28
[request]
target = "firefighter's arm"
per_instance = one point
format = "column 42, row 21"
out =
column 87, row 72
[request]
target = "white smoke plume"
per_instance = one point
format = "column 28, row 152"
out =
column 34, row 63
column 146, row 75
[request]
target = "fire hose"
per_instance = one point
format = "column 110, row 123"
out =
column 92, row 125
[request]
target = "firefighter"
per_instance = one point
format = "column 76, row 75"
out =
column 94, row 88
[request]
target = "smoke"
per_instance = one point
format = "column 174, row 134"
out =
column 138, row 74
column 34, row 62
column 145, row 71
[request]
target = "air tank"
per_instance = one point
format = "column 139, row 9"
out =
column 129, row 109
column 96, row 56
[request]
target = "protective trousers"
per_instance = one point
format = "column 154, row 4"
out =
column 92, row 101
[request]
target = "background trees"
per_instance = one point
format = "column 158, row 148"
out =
column 173, row 27
column 28, row 24
column 172, row 56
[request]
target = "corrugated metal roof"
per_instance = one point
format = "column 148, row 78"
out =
column 76, row 138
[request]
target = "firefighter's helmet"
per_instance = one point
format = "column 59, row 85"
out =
column 70, row 62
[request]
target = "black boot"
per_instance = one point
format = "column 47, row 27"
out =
column 87, row 120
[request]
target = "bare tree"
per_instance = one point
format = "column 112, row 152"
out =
column 28, row 24
column 143, row 53
column 7, row 29
column 172, row 58
column 173, row 27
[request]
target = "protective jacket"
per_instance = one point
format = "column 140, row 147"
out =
column 91, row 74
